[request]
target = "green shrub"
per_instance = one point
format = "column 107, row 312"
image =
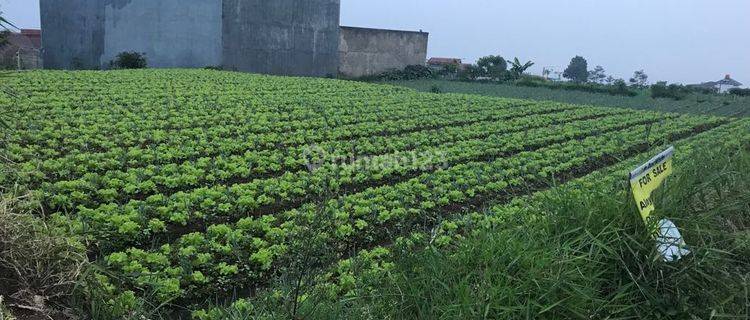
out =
column 619, row 88
column 415, row 72
column 412, row 72
column 129, row 60
column 740, row 92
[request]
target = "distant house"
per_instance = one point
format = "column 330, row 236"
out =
column 22, row 48
column 722, row 85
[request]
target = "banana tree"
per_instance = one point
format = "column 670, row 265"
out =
column 517, row 68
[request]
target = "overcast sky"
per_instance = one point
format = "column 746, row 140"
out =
column 684, row 41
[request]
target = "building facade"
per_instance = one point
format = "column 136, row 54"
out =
column 290, row 37
column 281, row 37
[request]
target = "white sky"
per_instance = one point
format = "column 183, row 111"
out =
column 684, row 41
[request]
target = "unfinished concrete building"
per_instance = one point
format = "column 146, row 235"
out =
column 282, row 37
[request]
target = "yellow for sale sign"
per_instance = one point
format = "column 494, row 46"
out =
column 647, row 178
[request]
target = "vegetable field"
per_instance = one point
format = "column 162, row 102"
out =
column 193, row 185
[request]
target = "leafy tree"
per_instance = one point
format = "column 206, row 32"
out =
column 639, row 79
column 577, row 70
column 493, row 67
column 598, row 75
column 517, row 68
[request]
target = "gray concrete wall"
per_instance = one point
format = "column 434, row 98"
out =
column 364, row 51
column 84, row 34
column 172, row 33
column 283, row 37
column 72, row 34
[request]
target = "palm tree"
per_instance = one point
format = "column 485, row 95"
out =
column 517, row 69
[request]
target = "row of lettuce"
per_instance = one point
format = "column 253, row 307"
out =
column 138, row 221
column 210, row 148
column 274, row 164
